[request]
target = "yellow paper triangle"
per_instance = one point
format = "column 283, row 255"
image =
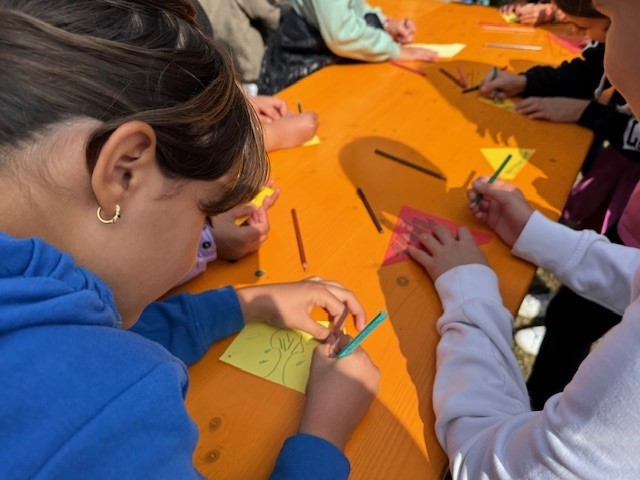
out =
column 510, row 17
column 313, row 141
column 519, row 157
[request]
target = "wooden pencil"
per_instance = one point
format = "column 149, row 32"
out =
column 296, row 226
column 450, row 77
column 406, row 163
column 463, row 80
column 513, row 46
column 372, row 214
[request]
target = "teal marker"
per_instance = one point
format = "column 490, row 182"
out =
column 492, row 179
column 353, row 344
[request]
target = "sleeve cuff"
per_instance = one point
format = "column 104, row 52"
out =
column 467, row 282
column 546, row 243
column 219, row 314
column 307, row 456
column 395, row 51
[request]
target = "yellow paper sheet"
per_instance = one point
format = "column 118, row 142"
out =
column 282, row 356
column 257, row 201
column 510, row 17
column 519, row 157
column 445, row 50
column 505, row 104
column 314, row 141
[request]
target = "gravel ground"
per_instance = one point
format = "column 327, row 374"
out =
column 543, row 282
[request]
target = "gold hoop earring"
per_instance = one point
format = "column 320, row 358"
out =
column 113, row 219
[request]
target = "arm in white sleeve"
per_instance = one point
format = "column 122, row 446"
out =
column 482, row 410
column 584, row 261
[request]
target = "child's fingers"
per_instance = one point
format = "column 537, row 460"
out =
column 464, row 235
column 528, row 105
column 420, row 256
column 443, row 235
column 346, row 298
column 431, row 243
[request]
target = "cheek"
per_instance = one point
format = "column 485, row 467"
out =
column 622, row 66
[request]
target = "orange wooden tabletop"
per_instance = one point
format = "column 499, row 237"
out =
column 243, row 419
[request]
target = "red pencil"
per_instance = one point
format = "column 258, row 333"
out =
column 303, row 257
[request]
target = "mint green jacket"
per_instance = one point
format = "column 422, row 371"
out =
column 343, row 28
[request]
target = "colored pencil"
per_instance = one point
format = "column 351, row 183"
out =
column 406, row 163
column 513, row 46
column 463, row 80
column 303, row 257
column 450, row 77
column 492, row 178
column 375, row 220
column 299, row 107
column 409, row 69
column 357, row 340
column 478, row 85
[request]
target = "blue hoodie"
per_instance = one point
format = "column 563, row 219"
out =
column 83, row 398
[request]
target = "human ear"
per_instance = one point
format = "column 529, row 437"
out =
column 125, row 161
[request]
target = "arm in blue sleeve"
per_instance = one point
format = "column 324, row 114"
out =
column 309, row 457
column 187, row 325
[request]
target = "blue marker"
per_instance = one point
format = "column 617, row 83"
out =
column 353, row 344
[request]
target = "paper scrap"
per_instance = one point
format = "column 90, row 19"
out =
column 510, row 17
column 505, row 104
column 519, row 157
column 445, row 50
column 313, row 141
column 412, row 223
column 280, row 355
column 257, row 201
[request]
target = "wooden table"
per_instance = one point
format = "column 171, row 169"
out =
column 243, row 420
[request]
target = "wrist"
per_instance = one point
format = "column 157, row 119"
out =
column 317, row 426
column 251, row 300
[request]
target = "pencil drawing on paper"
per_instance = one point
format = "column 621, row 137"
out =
column 288, row 344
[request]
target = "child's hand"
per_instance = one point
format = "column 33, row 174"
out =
column 503, row 208
column 233, row 241
column 290, row 131
column 504, row 84
column 446, row 251
column 510, row 7
column 339, row 392
column 269, row 108
column 534, row 13
column 414, row 53
column 288, row 305
column 554, row 109
column 402, row 31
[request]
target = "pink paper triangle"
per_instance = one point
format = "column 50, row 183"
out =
column 410, row 224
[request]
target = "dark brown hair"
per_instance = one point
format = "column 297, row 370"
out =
column 123, row 60
column 579, row 8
